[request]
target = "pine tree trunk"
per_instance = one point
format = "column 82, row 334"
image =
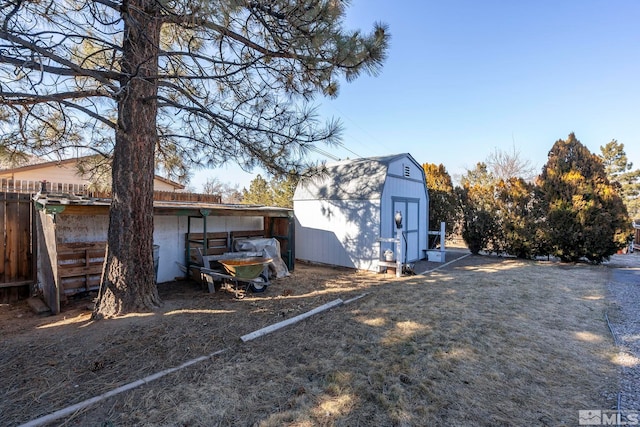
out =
column 128, row 283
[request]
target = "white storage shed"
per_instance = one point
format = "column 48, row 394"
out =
column 341, row 215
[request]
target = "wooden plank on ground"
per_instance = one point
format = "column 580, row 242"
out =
column 37, row 305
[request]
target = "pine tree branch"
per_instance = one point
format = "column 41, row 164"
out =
column 29, row 99
column 110, row 4
column 69, row 68
column 90, row 113
column 23, row 98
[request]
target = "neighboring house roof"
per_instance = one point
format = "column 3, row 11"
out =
column 358, row 179
column 168, row 181
column 34, row 167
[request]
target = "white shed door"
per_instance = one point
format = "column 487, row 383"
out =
column 410, row 226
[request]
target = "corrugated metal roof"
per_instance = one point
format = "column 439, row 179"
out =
column 358, row 179
column 83, row 206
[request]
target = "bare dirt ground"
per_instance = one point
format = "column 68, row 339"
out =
column 482, row 341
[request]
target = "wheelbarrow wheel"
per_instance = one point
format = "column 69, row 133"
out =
column 259, row 285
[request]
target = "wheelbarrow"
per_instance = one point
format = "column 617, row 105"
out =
column 251, row 272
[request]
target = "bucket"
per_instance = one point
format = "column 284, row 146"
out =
column 156, row 259
column 388, row 255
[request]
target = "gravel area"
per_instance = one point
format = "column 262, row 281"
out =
column 624, row 318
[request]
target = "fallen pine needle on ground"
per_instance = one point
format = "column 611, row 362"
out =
column 485, row 341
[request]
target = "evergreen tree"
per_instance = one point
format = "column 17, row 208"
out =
column 519, row 211
column 500, row 208
column 259, row 192
column 620, row 172
column 172, row 84
column 480, row 222
column 443, row 203
column 283, row 187
column 585, row 217
column 276, row 192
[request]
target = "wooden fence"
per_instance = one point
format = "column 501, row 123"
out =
column 32, row 187
column 16, row 247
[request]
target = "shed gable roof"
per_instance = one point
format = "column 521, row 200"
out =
column 358, row 179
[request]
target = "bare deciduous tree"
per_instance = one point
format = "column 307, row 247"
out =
column 505, row 165
column 229, row 193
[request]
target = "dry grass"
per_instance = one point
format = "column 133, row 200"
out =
column 486, row 341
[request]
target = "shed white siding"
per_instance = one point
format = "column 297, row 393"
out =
column 341, row 215
column 338, row 232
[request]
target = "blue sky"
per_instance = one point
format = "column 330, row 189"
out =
column 466, row 77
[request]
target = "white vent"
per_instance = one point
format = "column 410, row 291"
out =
column 407, row 171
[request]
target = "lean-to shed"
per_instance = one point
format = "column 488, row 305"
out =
column 341, row 215
column 72, row 233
